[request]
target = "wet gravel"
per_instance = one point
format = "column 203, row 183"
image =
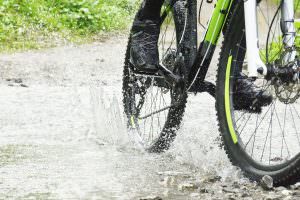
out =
column 63, row 135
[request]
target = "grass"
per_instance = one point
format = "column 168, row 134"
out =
column 276, row 47
column 32, row 24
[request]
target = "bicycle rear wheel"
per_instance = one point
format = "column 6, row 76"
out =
column 265, row 142
column 154, row 108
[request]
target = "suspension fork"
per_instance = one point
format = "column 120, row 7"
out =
column 288, row 30
column 253, row 58
column 255, row 63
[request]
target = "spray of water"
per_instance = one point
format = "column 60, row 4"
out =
column 197, row 144
column 109, row 121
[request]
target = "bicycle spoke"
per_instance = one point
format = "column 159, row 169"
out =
column 245, row 124
column 270, row 152
column 253, row 143
column 269, row 128
column 281, row 130
column 294, row 124
column 258, row 125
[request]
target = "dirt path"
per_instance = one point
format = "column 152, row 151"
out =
column 63, row 135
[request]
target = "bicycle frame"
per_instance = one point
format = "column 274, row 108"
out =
column 202, row 58
column 208, row 45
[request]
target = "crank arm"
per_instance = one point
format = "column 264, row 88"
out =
column 204, row 86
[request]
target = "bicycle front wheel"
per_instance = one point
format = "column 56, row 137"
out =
column 265, row 142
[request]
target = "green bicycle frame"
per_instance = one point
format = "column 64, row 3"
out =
column 207, row 47
column 217, row 21
column 200, row 63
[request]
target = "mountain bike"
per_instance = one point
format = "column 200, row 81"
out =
column 259, row 40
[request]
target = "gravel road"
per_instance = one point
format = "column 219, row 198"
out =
column 63, row 135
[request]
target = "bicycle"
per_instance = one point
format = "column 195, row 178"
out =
column 260, row 142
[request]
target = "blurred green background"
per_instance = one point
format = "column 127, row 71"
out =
column 34, row 24
column 29, row 24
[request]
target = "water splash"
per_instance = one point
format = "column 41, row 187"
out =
column 109, row 120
